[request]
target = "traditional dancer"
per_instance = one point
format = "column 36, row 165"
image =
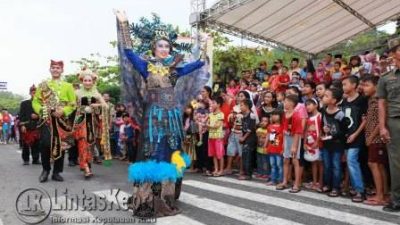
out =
column 158, row 88
column 54, row 101
column 28, row 128
column 91, row 121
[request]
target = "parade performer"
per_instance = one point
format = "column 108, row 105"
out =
column 157, row 85
column 54, row 102
column 91, row 121
column 28, row 128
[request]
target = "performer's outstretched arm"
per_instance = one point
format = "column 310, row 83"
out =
column 190, row 67
column 138, row 63
column 126, row 42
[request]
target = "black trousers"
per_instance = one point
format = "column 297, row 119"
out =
column 203, row 161
column 248, row 158
column 131, row 150
column 30, row 150
column 73, row 153
column 45, row 146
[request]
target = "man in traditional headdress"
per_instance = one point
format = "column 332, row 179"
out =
column 54, row 101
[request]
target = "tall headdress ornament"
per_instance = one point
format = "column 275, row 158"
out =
column 87, row 72
column 148, row 32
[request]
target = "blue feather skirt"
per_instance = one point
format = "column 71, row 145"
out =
column 162, row 134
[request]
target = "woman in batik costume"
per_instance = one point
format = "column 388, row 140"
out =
column 90, row 121
column 157, row 88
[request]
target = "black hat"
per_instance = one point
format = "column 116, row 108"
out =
column 338, row 56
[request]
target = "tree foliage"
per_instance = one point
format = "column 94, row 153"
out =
column 228, row 60
column 107, row 69
column 373, row 40
column 10, row 101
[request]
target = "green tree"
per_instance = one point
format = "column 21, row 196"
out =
column 228, row 63
column 107, row 69
column 10, row 101
column 229, row 60
column 368, row 41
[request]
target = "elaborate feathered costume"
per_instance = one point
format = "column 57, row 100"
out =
column 155, row 92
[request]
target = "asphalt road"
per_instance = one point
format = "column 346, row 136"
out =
column 204, row 200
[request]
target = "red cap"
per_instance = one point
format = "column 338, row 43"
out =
column 59, row 63
column 32, row 88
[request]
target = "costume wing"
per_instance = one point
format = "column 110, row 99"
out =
column 188, row 87
column 133, row 85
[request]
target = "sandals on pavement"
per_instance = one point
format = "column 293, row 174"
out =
column 219, row 174
column 375, row 202
column 281, row 187
column 207, row 174
column 242, row 177
column 333, row 194
column 358, row 198
column 294, row 190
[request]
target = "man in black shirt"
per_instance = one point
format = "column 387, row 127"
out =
column 29, row 132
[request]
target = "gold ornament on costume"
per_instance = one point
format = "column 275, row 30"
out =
column 58, row 127
column 49, row 100
column 158, row 69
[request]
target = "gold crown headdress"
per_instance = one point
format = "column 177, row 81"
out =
column 87, row 72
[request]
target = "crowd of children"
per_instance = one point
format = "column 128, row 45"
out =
column 295, row 128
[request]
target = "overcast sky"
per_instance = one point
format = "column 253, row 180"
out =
column 34, row 31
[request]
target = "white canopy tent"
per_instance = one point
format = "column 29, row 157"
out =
column 307, row 26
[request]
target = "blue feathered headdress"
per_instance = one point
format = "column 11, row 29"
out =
column 147, row 32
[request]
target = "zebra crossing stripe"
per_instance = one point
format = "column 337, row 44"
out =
column 307, row 194
column 231, row 211
column 178, row 220
column 171, row 220
column 1, row 222
column 332, row 214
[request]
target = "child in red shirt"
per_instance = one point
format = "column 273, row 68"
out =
column 283, row 80
column 275, row 147
column 312, row 143
column 293, row 131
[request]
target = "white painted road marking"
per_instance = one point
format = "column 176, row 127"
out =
column 170, row 220
column 289, row 204
column 231, row 211
column 308, row 194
